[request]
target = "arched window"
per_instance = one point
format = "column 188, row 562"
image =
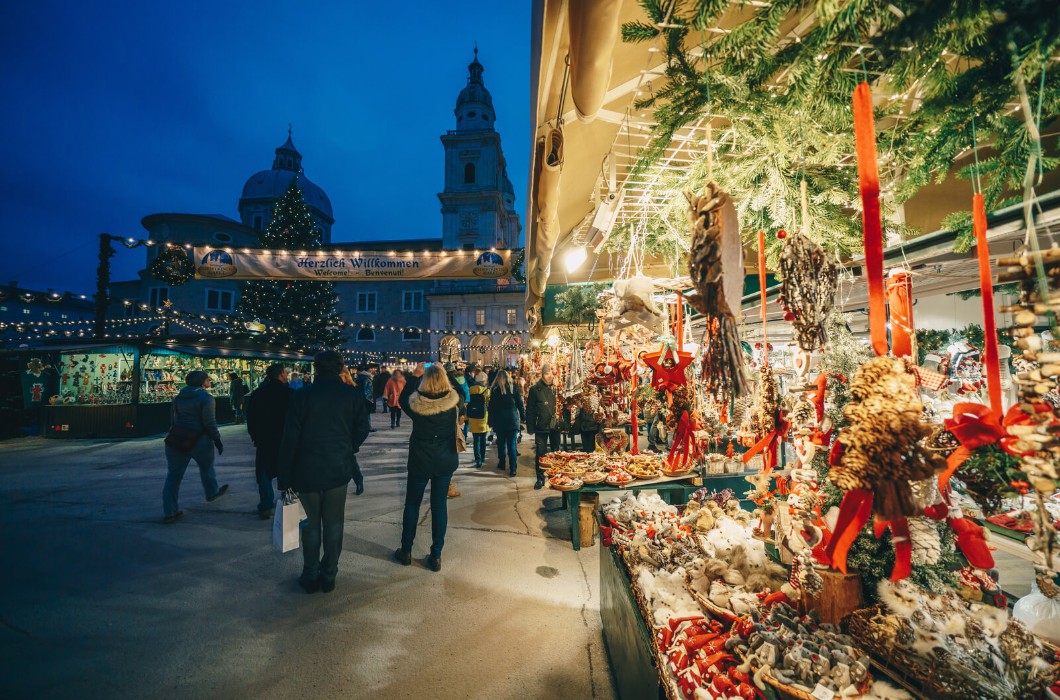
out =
column 366, row 335
column 481, row 349
column 511, row 350
column 449, row 349
column 469, row 174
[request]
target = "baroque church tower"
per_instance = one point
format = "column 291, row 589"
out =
column 478, row 204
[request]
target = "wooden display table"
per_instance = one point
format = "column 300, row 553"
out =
column 673, row 490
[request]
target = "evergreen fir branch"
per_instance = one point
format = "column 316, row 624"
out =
column 913, row 47
column 637, row 32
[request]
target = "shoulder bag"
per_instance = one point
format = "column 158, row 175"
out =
column 180, row 438
column 461, row 441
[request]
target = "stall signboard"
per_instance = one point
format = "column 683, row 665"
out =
column 350, row 265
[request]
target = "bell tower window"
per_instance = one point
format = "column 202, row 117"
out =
column 469, row 174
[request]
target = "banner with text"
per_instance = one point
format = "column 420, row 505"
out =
column 350, row 265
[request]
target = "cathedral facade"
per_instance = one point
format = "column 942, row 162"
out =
column 473, row 320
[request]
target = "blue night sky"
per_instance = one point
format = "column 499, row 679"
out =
column 116, row 110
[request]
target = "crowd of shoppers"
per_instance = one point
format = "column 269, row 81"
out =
column 306, row 436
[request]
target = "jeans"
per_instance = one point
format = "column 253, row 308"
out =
column 266, row 495
column 506, row 443
column 439, row 513
column 479, row 445
column 177, row 461
column 395, row 416
column 589, row 440
column 326, row 513
column 544, row 442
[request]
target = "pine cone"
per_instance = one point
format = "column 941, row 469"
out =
column 882, row 448
column 807, row 289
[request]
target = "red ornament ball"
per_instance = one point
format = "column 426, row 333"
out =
column 789, row 316
column 782, row 234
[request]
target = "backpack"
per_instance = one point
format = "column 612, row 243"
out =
column 476, row 407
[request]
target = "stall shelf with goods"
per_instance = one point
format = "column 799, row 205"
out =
column 728, row 239
column 108, row 390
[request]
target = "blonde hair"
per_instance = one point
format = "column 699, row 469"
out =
column 435, row 381
column 501, row 384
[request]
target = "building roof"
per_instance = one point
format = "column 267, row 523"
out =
column 271, row 184
column 149, row 221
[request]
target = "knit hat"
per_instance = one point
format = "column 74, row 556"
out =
column 196, row 378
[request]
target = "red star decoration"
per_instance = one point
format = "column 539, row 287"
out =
column 670, row 374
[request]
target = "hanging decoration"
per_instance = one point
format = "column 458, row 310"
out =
column 633, row 304
column 173, row 266
column 716, row 268
column 807, row 289
column 668, row 367
column 900, row 304
column 1032, row 438
column 878, row 454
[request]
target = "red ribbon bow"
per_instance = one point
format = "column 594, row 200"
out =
column 975, row 425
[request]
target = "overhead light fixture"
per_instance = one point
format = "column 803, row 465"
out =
column 574, row 258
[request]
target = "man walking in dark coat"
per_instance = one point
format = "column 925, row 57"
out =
column 266, row 411
column 542, row 419
column 325, row 426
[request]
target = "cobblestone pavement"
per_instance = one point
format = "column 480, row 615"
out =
column 99, row 599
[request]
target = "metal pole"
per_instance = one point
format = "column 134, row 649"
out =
column 106, row 252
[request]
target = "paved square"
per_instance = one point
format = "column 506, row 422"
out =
column 99, row 599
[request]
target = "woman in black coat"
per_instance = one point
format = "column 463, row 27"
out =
column 506, row 414
column 435, row 409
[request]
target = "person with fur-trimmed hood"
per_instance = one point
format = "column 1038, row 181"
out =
column 435, row 409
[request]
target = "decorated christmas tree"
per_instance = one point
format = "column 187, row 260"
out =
column 295, row 313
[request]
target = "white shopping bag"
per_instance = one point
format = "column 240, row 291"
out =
column 289, row 514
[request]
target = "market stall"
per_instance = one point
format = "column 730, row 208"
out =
column 107, row 390
column 726, row 240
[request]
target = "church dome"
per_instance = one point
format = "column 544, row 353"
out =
column 474, row 104
column 263, row 188
column 271, row 184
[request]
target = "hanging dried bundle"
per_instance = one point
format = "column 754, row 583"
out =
column 881, row 448
column 768, row 400
column 1036, row 436
column 807, row 289
column 716, row 268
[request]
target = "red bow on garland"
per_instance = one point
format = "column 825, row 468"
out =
column 769, row 444
column 975, row 425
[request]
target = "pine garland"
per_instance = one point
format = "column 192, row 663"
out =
column 788, row 103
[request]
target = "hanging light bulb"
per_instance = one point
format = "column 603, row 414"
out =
column 574, row 258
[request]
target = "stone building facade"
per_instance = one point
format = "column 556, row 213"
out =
column 474, row 320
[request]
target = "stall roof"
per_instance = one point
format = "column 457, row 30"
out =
column 226, row 349
column 185, row 344
column 620, row 133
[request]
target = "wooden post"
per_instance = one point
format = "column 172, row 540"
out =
column 587, row 518
column 840, row 596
